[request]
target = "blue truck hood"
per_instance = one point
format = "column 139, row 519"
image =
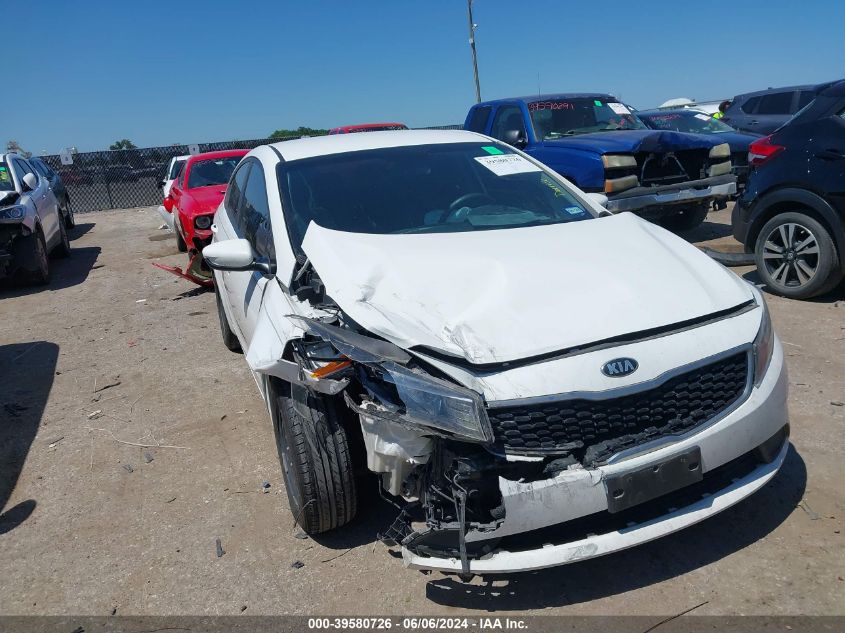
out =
column 628, row 141
column 738, row 141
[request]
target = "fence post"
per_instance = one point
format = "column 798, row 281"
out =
column 106, row 178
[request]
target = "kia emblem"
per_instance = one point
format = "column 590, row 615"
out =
column 619, row 367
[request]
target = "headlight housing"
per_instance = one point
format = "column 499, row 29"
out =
column 442, row 405
column 764, row 344
column 617, row 161
column 402, row 394
column 14, row 212
column 202, row 221
column 723, row 150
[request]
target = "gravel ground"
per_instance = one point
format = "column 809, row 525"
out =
column 131, row 440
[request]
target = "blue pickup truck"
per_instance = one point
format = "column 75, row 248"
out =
column 599, row 144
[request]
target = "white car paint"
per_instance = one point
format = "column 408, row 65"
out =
column 505, row 295
column 169, row 178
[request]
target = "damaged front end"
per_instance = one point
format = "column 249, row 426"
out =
column 15, row 223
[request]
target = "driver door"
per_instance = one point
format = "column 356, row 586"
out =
column 45, row 203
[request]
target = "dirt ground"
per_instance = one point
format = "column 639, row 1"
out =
column 116, row 353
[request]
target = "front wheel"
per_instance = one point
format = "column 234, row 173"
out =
column 67, row 214
column 180, row 242
column 796, row 256
column 63, row 249
column 30, row 255
column 315, row 457
column 230, row 340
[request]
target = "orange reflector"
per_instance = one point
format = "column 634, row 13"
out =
column 329, row 368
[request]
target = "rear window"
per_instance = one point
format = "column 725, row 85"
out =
column 208, row 173
column 776, row 103
column 805, row 97
column 749, row 105
column 478, row 120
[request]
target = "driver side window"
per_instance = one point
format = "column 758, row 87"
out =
column 234, row 197
column 256, row 213
column 507, row 117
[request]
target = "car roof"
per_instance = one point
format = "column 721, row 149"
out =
column 182, row 157
column 365, row 126
column 340, row 143
column 812, row 87
column 226, row 153
column 659, row 111
column 558, row 95
column 836, row 89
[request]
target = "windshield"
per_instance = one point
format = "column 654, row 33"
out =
column 6, row 183
column 175, row 168
column 440, row 188
column 554, row 118
column 208, row 173
column 687, row 121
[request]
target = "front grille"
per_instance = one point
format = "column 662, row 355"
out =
column 672, row 167
column 593, row 430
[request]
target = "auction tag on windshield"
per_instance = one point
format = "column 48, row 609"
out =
column 703, row 117
column 618, row 108
column 507, row 164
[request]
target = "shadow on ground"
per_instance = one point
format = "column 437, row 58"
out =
column 707, row 231
column 79, row 230
column 669, row 557
column 64, row 273
column 26, row 376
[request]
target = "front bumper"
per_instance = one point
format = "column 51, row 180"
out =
column 580, row 495
column 658, row 201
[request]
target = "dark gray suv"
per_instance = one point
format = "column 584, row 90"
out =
column 764, row 111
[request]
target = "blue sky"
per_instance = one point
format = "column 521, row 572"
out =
column 94, row 71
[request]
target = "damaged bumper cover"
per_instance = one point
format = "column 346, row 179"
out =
column 577, row 514
column 656, row 201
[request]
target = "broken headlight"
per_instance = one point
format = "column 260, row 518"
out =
column 399, row 393
column 764, row 345
column 435, row 403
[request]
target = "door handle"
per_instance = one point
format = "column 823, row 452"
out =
column 830, row 154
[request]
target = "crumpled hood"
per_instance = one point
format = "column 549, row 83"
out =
column 502, row 295
column 627, row 141
column 202, row 199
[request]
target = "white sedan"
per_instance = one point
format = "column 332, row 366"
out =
column 535, row 381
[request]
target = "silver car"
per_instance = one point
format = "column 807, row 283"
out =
column 31, row 224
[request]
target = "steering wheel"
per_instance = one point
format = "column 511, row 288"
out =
column 461, row 203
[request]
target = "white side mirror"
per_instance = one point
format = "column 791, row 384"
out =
column 30, row 182
column 235, row 255
column 229, row 255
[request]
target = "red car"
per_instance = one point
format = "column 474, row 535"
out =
column 368, row 127
column 196, row 194
column 193, row 199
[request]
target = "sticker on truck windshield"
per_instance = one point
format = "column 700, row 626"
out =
column 703, row 117
column 507, row 164
column 618, row 108
column 575, row 211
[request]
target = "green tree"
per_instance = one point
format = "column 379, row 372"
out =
column 298, row 132
column 123, row 144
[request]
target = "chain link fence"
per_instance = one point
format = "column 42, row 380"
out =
column 126, row 178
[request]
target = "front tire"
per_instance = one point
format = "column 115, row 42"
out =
column 30, row 255
column 796, row 256
column 315, row 457
column 230, row 340
column 180, row 242
column 67, row 214
column 63, row 249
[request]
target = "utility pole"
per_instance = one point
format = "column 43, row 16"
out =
column 472, row 47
